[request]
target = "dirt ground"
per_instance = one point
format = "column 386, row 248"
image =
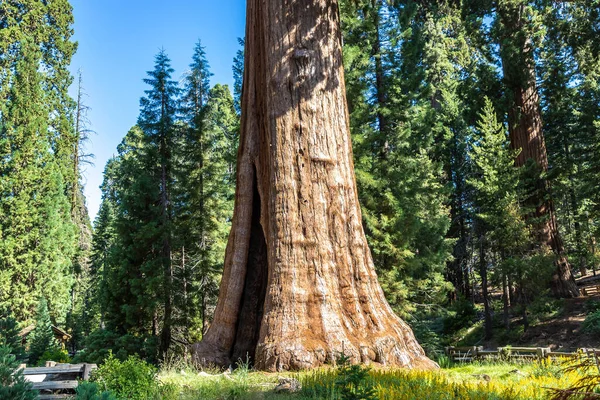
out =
column 563, row 332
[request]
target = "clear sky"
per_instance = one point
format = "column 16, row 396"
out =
column 118, row 40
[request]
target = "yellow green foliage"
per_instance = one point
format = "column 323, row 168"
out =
column 489, row 381
column 409, row 385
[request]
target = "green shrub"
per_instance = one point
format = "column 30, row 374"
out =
column 12, row 383
column 91, row 391
column 592, row 323
column 129, row 379
column 54, row 354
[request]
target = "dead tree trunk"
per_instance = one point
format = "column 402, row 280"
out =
column 526, row 135
column 299, row 283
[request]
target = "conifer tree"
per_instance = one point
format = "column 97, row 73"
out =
column 38, row 237
column 399, row 139
column 205, row 188
column 102, row 249
column 192, row 212
column 78, row 321
column 9, row 335
column 296, row 234
column 517, row 31
column 578, row 28
column 38, row 181
column 135, row 276
column 158, row 114
column 41, row 338
column 12, row 382
column 495, row 183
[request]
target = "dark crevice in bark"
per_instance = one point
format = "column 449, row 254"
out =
column 255, row 288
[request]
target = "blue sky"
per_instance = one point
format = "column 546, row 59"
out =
column 118, row 40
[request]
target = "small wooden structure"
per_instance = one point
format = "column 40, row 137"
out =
column 590, row 290
column 60, row 335
column 57, row 381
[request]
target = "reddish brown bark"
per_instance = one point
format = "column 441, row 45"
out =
column 526, row 135
column 299, row 285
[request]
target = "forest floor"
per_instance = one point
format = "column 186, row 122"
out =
column 564, row 330
column 558, row 328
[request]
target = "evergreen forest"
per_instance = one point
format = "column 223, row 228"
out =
column 475, row 129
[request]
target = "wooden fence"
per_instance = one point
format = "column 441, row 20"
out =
column 57, row 381
column 473, row 353
column 590, row 290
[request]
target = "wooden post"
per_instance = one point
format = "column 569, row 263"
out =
column 50, row 364
column 540, row 352
column 87, row 368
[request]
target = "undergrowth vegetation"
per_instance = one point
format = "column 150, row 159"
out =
column 129, row 379
column 483, row 381
column 486, row 380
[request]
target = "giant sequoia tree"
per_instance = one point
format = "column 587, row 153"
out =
column 516, row 27
column 299, row 284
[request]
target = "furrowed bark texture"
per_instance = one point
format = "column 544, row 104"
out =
column 526, row 134
column 299, row 285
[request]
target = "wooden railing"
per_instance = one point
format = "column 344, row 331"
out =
column 57, row 381
column 590, row 290
column 472, row 353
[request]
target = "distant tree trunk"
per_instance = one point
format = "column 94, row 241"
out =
column 483, row 270
column 457, row 269
column 165, row 336
column 523, row 300
column 185, row 309
column 579, row 246
column 166, row 251
column 505, row 295
column 525, row 128
column 380, row 90
column 204, row 313
column 299, row 285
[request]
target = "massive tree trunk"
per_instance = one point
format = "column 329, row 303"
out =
column 299, row 285
column 526, row 135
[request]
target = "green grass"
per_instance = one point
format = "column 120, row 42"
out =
column 457, row 382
